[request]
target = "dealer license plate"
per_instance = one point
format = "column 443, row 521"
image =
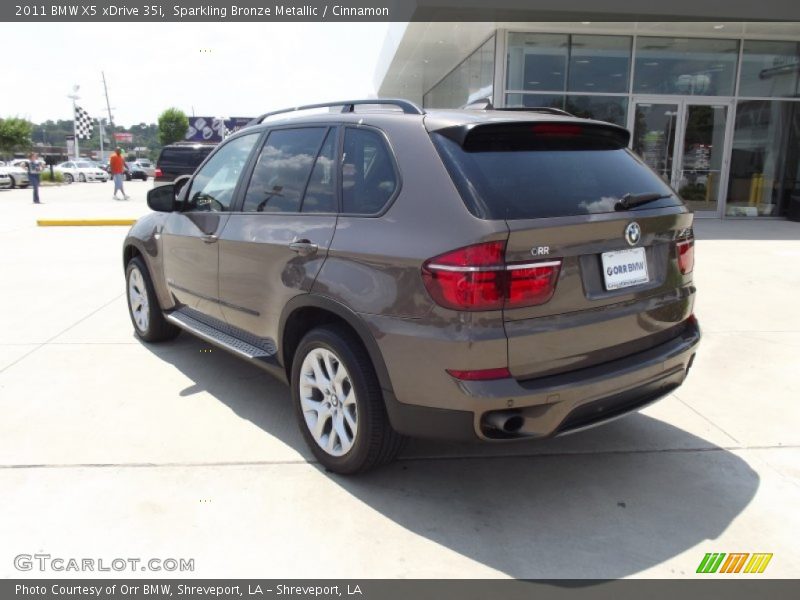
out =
column 625, row 268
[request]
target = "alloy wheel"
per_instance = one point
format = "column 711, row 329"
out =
column 137, row 296
column 328, row 401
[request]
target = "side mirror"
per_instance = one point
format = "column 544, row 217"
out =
column 162, row 198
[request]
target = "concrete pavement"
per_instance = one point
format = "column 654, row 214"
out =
column 112, row 448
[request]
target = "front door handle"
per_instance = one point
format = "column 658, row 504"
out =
column 209, row 238
column 303, row 247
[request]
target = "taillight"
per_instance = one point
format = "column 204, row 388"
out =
column 158, row 173
column 480, row 374
column 686, row 256
column 478, row 278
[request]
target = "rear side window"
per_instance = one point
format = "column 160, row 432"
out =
column 369, row 179
column 283, row 170
column 527, row 176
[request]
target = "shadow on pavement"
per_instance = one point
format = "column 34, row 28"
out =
column 585, row 506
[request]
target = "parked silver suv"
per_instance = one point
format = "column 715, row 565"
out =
column 464, row 274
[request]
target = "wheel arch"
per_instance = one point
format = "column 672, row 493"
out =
column 303, row 313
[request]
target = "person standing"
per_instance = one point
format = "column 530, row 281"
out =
column 117, row 167
column 34, row 175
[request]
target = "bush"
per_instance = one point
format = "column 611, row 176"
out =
column 59, row 177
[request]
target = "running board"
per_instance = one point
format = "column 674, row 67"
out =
column 226, row 340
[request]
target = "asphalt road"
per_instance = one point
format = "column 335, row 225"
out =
column 112, row 448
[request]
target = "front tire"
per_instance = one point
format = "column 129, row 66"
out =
column 143, row 308
column 13, row 182
column 339, row 404
column 82, row 178
column 68, row 178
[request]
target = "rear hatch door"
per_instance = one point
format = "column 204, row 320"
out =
column 560, row 187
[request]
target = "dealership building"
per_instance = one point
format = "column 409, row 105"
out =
column 713, row 107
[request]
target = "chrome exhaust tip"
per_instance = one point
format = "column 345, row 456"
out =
column 507, row 421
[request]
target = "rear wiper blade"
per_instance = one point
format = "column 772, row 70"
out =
column 630, row 201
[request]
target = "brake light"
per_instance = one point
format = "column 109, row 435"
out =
column 558, row 129
column 480, row 374
column 686, row 256
column 478, row 278
column 158, row 173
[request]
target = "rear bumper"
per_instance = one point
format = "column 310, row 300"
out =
column 555, row 404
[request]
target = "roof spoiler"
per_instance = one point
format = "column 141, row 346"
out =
column 539, row 134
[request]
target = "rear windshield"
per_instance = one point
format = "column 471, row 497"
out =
column 183, row 157
column 506, row 178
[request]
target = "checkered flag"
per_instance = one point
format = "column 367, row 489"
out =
column 83, row 124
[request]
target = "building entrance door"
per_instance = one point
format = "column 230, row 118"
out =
column 687, row 142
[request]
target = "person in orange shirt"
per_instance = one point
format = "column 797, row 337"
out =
column 117, row 167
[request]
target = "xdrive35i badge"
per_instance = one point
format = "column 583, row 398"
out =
column 633, row 233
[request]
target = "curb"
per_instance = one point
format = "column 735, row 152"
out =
column 83, row 222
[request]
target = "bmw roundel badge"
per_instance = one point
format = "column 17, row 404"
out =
column 633, row 233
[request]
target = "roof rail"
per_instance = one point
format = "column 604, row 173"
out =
column 406, row 106
column 486, row 104
column 542, row 109
column 479, row 104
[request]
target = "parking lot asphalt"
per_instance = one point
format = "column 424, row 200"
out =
column 112, row 448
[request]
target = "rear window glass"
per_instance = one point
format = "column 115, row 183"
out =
column 283, row 170
column 368, row 176
column 183, row 157
column 502, row 178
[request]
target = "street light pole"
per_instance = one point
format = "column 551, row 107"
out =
column 74, row 96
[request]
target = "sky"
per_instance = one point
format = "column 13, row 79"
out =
column 211, row 69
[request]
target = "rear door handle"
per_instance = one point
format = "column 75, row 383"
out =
column 209, row 238
column 303, row 247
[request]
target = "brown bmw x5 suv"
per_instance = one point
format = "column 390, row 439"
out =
column 457, row 274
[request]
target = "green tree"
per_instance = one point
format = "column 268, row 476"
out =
column 172, row 126
column 15, row 134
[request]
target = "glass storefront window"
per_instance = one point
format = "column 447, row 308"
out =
column 612, row 109
column 471, row 80
column 686, row 66
column 599, row 63
column 535, row 100
column 547, row 62
column 770, row 69
column 765, row 161
column 537, row 61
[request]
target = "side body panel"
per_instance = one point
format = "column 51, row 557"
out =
column 259, row 273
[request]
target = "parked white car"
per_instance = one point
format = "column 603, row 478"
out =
column 81, row 170
column 5, row 181
column 17, row 175
column 147, row 166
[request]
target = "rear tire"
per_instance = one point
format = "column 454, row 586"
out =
column 339, row 404
column 143, row 308
column 82, row 178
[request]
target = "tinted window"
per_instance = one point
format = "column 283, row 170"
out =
column 321, row 193
column 505, row 180
column 282, row 171
column 213, row 186
column 368, row 176
column 183, row 158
